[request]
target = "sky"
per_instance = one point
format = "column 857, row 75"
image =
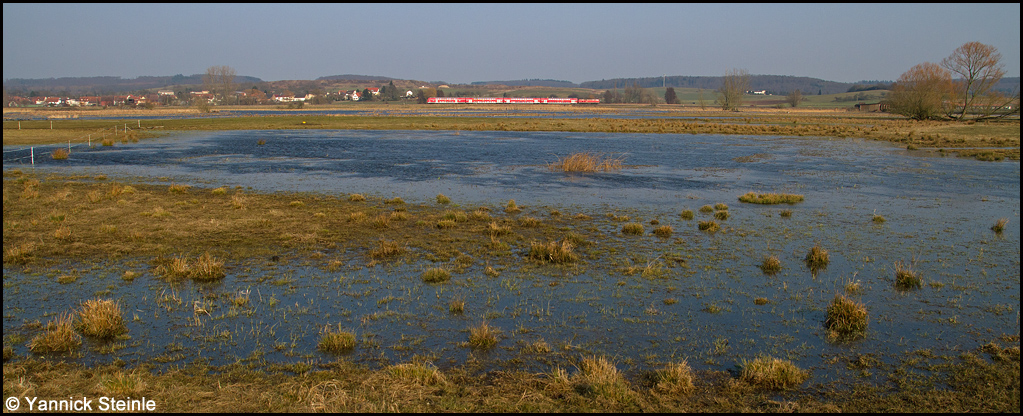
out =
column 463, row 43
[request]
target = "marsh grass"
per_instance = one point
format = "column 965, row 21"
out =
column 721, row 215
column 179, row 189
column 395, row 201
column 846, row 318
column 706, row 209
column 386, row 248
column 456, row 216
column 356, row 198
column 336, row 341
column 587, row 162
column 59, row 337
column 101, row 319
column 495, row 230
column 721, row 206
column 770, row 265
column 770, row 198
column 446, row 224
column 663, row 231
column 60, row 154
column 382, row 221
column 598, row 377
column 1000, row 225
column 906, row 278
column 483, row 336
column 817, row 259
column 632, row 228
column 772, row 373
column 457, row 306
column 555, row 252
column 529, row 222
column 480, row 214
column 441, row 199
column 418, row 372
column 676, row 379
column 709, row 226
column 687, row 214
column 436, row 275
column 878, row 219
column 207, row 268
column 219, row 191
column 511, row 207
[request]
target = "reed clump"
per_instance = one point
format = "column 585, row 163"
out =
column 817, row 259
column 846, row 317
column 336, row 341
column 632, row 228
column 483, row 336
column 59, row 336
column 555, row 252
column 770, row 198
column 999, row 225
column 436, row 275
column 101, row 319
column 772, row 373
column 770, row 265
column 906, row 278
column 587, row 162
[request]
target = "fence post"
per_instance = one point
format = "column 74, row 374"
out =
column 33, row 149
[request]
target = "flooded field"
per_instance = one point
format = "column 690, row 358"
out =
column 643, row 299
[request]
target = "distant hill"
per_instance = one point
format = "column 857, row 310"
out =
column 351, row 77
column 775, row 84
column 109, row 85
column 531, row 82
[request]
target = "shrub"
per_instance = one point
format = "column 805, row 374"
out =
column 336, row 341
column 632, row 228
column 846, row 317
column 772, row 373
column 770, row 199
column 101, row 319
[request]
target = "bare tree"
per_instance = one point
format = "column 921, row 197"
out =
column 921, row 92
column 733, row 88
column 979, row 69
column 219, row 80
column 794, row 98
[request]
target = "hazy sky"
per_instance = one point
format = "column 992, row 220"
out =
column 461, row 43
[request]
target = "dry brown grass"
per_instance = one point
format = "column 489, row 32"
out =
column 386, row 249
column 676, row 379
column 663, row 231
column 483, row 336
column 846, row 318
column 555, row 252
column 772, row 373
column 60, row 154
column 101, row 319
column 906, row 278
column 336, row 341
column 59, row 337
column 770, row 265
column 587, row 162
column 632, row 228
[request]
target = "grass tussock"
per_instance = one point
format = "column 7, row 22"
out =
column 846, row 317
column 772, row 373
column 770, row 265
column 495, row 230
column 878, row 219
column 706, row 209
column 356, row 198
column 386, row 248
column 817, row 258
column 395, row 201
column 336, row 341
column 511, row 207
column 587, row 162
column 60, row 154
column 178, row 189
column 204, row 268
column 59, row 337
column 721, row 215
column 786, row 213
column 422, row 373
column 483, row 336
column 687, row 214
column 436, row 275
column 709, row 226
column 721, row 206
column 906, row 278
column 599, row 378
column 770, row 198
column 480, row 214
column 529, row 222
column 555, row 252
column 676, row 379
column 1000, row 225
column 664, row 231
column 457, row 306
column 632, row 228
column 101, row 319
column 441, row 199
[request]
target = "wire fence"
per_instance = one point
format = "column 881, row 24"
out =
column 27, row 155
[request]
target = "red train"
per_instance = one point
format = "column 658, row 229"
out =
column 508, row 100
